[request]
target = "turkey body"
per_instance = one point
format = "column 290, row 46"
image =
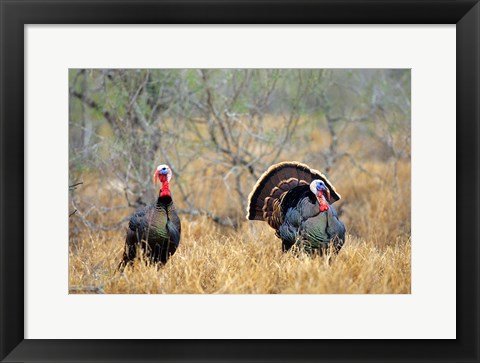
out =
column 287, row 198
column 304, row 225
column 156, row 228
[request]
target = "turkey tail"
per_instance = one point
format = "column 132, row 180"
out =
column 265, row 199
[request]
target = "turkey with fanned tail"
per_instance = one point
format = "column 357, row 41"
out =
column 297, row 201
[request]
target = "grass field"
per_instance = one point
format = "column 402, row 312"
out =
column 376, row 257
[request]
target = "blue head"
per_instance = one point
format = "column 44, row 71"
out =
column 163, row 173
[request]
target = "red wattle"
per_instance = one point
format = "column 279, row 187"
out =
column 165, row 191
column 323, row 207
column 322, row 202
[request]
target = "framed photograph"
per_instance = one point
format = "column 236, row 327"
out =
column 346, row 133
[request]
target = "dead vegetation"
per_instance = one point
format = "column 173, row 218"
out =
column 218, row 130
column 220, row 260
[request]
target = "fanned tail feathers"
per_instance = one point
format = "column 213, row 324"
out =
column 264, row 202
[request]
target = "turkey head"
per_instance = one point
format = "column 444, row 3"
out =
column 163, row 174
column 322, row 193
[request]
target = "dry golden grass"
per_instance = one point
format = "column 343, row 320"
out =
column 249, row 260
column 249, row 264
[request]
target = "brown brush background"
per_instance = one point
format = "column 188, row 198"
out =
column 219, row 130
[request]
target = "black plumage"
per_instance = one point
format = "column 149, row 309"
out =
column 155, row 228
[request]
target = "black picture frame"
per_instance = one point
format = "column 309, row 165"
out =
column 16, row 14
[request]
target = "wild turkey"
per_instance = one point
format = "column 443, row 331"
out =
column 156, row 228
column 296, row 201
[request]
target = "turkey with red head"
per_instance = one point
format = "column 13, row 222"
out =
column 297, row 201
column 156, row 227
